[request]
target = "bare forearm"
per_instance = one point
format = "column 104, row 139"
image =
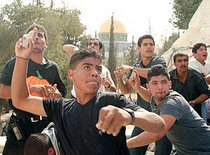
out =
column 201, row 99
column 145, row 138
column 5, row 91
column 149, row 121
column 144, row 93
column 19, row 89
column 123, row 87
column 142, row 72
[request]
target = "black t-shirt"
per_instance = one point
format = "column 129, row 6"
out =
column 75, row 124
column 48, row 72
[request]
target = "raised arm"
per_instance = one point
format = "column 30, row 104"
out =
column 70, row 49
column 135, row 84
column 108, row 83
column 19, row 89
column 124, row 86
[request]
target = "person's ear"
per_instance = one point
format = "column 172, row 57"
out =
column 194, row 54
column 51, row 151
column 170, row 84
column 147, row 85
column 175, row 64
column 46, row 44
column 139, row 48
column 70, row 74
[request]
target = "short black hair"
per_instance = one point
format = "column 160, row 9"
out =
column 180, row 55
column 37, row 144
column 39, row 27
column 157, row 70
column 147, row 36
column 197, row 46
column 82, row 54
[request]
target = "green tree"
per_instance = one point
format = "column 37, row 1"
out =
column 131, row 56
column 168, row 43
column 83, row 41
column 112, row 59
column 62, row 25
column 71, row 26
column 183, row 10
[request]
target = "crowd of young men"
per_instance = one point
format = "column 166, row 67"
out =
column 93, row 121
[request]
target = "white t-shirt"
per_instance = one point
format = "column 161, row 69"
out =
column 195, row 64
column 104, row 73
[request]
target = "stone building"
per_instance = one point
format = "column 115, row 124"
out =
column 120, row 36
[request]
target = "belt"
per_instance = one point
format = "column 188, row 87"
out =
column 31, row 119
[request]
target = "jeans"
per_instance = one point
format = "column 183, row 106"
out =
column 162, row 146
column 205, row 110
column 138, row 150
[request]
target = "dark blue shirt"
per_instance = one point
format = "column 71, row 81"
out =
column 193, row 86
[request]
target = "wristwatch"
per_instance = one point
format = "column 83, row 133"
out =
column 129, row 74
column 131, row 112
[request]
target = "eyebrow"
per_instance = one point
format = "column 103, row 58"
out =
column 89, row 64
column 182, row 59
column 159, row 81
column 93, row 42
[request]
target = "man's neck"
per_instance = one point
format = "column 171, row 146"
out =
column 83, row 99
column 38, row 58
column 182, row 76
column 146, row 61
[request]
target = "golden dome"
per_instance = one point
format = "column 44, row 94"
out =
column 118, row 27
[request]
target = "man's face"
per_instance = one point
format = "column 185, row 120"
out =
column 181, row 63
column 39, row 42
column 147, row 48
column 86, row 77
column 201, row 54
column 159, row 87
column 93, row 45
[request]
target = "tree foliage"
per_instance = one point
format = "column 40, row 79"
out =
column 168, row 43
column 112, row 54
column 183, row 10
column 72, row 28
column 63, row 26
column 132, row 55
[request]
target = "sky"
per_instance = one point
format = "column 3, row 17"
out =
column 136, row 15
